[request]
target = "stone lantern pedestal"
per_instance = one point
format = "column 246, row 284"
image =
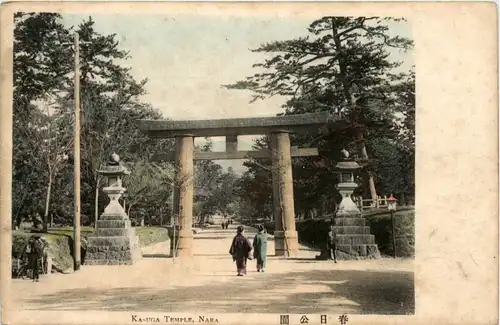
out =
column 114, row 242
column 353, row 238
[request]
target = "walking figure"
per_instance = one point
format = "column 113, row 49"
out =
column 35, row 250
column 240, row 251
column 260, row 248
column 332, row 244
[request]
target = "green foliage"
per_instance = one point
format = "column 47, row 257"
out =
column 40, row 68
column 43, row 116
column 342, row 66
column 149, row 188
column 216, row 191
column 393, row 168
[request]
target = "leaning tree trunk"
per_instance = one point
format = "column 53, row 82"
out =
column 47, row 205
column 360, row 140
column 355, row 110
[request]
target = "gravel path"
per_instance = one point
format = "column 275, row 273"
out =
column 209, row 282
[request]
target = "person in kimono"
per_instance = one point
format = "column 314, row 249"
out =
column 260, row 248
column 240, row 251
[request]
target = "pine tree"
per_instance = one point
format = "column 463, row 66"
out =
column 343, row 67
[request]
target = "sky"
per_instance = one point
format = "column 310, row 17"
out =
column 188, row 57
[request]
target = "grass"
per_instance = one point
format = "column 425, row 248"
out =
column 147, row 235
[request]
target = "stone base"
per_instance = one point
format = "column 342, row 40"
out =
column 183, row 242
column 354, row 241
column 292, row 239
column 114, row 242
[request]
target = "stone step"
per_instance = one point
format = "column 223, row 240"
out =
column 113, row 224
column 110, row 255
column 108, row 262
column 356, row 230
column 355, row 239
column 114, row 257
column 360, row 250
column 112, row 232
column 114, row 217
column 125, row 241
column 360, row 222
column 108, row 248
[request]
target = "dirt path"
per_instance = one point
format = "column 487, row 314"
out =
column 209, row 282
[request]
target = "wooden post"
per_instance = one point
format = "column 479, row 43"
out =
column 393, row 234
column 76, row 220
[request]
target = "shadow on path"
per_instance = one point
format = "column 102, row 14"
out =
column 309, row 291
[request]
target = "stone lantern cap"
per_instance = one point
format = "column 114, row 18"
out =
column 346, row 164
column 114, row 167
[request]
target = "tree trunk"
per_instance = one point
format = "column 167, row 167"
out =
column 17, row 220
column 403, row 199
column 47, row 205
column 360, row 141
column 355, row 111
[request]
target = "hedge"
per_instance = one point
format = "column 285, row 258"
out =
column 313, row 232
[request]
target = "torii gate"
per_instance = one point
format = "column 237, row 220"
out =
column 278, row 127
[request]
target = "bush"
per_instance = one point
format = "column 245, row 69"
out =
column 313, row 232
column 60, row 248
column 405, row 232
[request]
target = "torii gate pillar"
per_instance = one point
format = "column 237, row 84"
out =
column 183, row 193
column 285, row 236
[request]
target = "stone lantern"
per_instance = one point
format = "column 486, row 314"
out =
column 114, row 241
column 349, row 237
column 346, row 170
column 114, row 172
